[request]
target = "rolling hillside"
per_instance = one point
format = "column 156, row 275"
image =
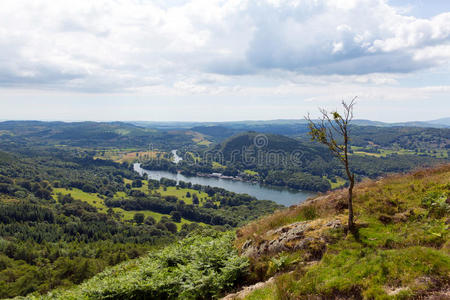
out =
column 253, row 142
column 401, row 251
column 89, row 134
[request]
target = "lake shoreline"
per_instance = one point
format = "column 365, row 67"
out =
column 281, row 195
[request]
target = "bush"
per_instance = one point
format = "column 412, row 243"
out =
column 150, row 220
column 139, row 218
column 175, row 216
column 201, row 266
column 436, row 204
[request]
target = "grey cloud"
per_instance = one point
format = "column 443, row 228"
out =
column 132, row 44
column 320, row 43
column 35, row 75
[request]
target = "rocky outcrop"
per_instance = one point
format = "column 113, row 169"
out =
column 306, row 235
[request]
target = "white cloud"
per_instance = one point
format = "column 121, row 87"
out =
column 122, row 45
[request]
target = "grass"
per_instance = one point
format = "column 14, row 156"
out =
column 339, row 183
column 126, row 215
column 265, row 293
column 374, row 273
column 251, row 172
column 91, row 198
column 199, row 138
column 180, row 193
column 439, row 153
column 197, row 158
column 254, row 230
column 126, row 155
column 204, row 143
column 402, row 249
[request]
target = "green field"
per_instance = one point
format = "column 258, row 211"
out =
column 438, row 153
column 94, row 200
column 180, row 193
column 91, row 198
column 215, row 164
column 339, row 182
column 251, row 172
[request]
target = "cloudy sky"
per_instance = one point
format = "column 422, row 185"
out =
column 208, row 60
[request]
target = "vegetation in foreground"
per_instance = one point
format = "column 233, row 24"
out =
column 65, row 216
column 402, row 249
column 202, row 266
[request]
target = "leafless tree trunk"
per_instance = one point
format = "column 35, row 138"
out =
column 324, row 131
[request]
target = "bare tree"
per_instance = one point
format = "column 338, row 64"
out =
column 332, row 130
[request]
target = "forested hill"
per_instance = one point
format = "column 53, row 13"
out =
column 65, row 215
column 374, row 132
column 300, row 164
column 253, row 142
column 127, row 135
column 399, row 251
column 90, row 134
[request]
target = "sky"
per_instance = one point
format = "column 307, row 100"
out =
column 208, row 60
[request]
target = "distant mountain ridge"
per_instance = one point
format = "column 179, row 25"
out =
column 438, row 123
column 101, row 134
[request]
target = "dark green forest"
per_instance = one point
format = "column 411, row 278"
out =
column 49, row 239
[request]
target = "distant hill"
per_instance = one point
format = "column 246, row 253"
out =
column 221, row 130
column 89, row 134
column 253, row 142
column 364, row 133
column 276, row 126
column 443, row 121
column 411, row 138
column 301, row 164
column 216, row 132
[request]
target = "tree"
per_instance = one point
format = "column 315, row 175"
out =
column 195, row 199
column 175, row 216
column 137, row 183
column 150, row 220
column 332, row 130
column 139, row 218
column 171, row 198
column 171, row 227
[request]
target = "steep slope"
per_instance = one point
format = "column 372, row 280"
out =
column 401, row 250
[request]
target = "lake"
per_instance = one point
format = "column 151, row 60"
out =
column 280, row 195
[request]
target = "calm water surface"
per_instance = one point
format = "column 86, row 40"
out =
column 279, row 195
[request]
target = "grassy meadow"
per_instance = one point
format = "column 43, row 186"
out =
column 402, row 249
column 125, row 215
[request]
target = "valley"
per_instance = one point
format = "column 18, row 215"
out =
column 78, row 199
column 225, row 150
column 283, row 196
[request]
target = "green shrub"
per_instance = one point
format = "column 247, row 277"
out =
column 309, row 212
column 435, row 203
column 198, row 267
